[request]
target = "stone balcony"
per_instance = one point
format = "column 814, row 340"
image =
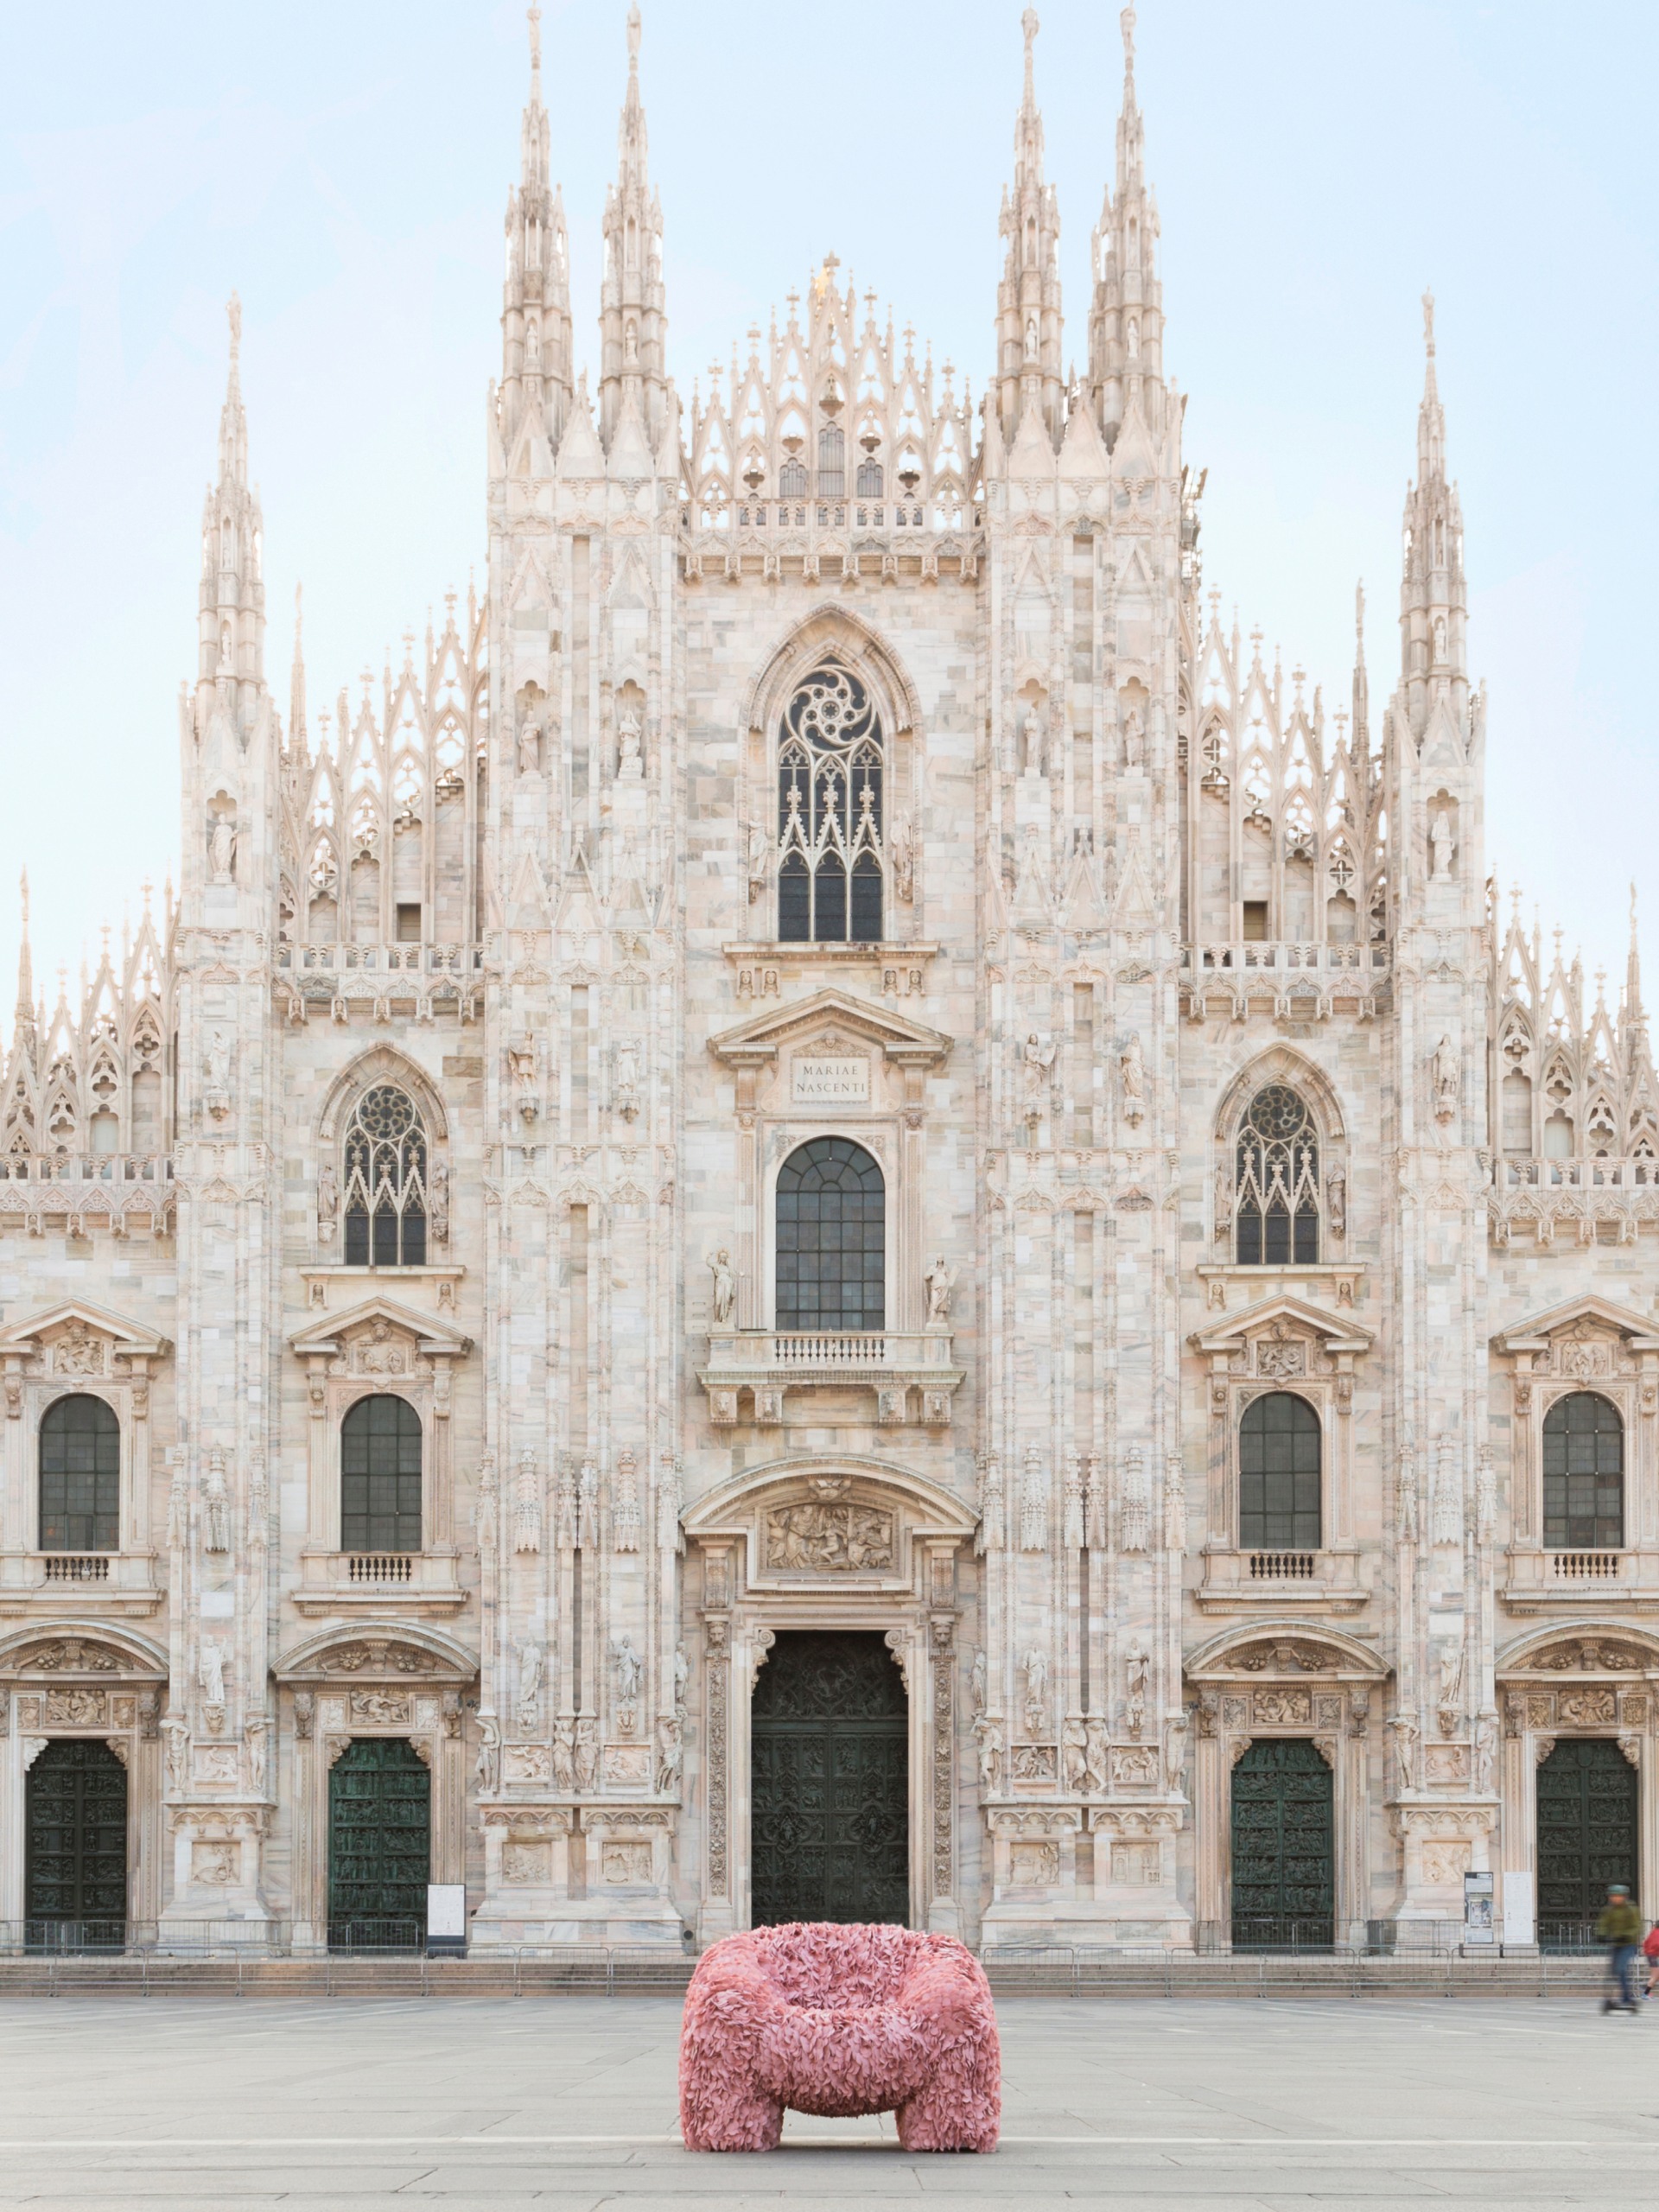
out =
column 911, row 1375
column 832, row 539
column 79, row 1187
column 80, row 1583
column 1304, row 982
column 1580, row 1581
column 341, row 979
column 380, row 1582
column 1280, row 1581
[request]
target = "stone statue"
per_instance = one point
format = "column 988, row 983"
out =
column 670, row 1758
column 564, row 1754
column 989, row 1733
column 216, row 1062
column 487, row 1511
column 682, row 1677
column 939, row 1280
column 1485, row 1753
column 627, row 1081
column 586, row 1753
column 629, row 1669
column 760, row 850
column 530, row 1685
column 1440, row 846
column 1035, row 1664
column 1137, row 1664
column 630, row 763
column 216, row 1505
column 1094, row 1757
column 221, row 848
column 903, row 853
column 1074, row 1740
column 257, row 1755
column 1405, row 1745
column 1447, row 1079
column 977, row 1682
column 1336, row 1202
column 210, row 1671
column 529, row 748
column 486, row 1767
column 1174, row 1752
column 327, row 1198
column 1135, row 739
column 1031, row 734
column 437, row 1199
column 725, row 1293
column 178, row 1752
column 1037, row 1058
column 1132, row 1079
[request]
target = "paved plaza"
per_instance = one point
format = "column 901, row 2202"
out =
column 571, row 2102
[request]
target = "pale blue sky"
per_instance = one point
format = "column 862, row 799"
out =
column 1317, row 163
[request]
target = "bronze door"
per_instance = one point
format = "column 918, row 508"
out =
column 831, row 1770
column 1587, row 1832
column 75, row 1857
column 379, row 1845
column 1283, row 1855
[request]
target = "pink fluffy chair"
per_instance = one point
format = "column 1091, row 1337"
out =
column 838, row 2021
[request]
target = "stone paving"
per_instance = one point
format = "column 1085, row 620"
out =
column 569, row 2102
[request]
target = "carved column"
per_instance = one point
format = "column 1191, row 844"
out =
column 717, row 1915
column 1210, row 1814
column 943, row 1914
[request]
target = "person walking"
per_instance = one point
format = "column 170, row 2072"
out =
column 1650, row 1953
column 1619, row 1926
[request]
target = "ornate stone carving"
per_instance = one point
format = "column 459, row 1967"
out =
column 850, row 1539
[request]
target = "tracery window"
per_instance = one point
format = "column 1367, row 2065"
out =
column 80, row 1476
column 385, row 1181
column 1278, row 1182
column 832, row 463
column 1584, row 1474
column 1279, row 1475
column 829, row 825
column 831, row 1238
column 380, row 1477
column 870, row 479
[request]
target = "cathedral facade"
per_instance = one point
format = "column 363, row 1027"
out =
column 834, row 1216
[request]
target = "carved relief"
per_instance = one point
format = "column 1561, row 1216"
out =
column 829, row 1539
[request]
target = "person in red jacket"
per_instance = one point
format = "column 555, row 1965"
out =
column 1650, row 1953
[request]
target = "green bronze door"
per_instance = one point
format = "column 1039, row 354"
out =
column 379, row 1845
column 1587, row 1832
column 1282, row 1856
column 75, row 1856
column 829, row 1764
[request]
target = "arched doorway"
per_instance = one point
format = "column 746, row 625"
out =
column 379, row 1845
column 1587, row 1834
column 830, row 1768
column 75, row 1854
column 1283, row 1862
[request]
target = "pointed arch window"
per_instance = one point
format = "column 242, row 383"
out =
column 384, row 1181
column 832, row 462
column 831, row 1238
column 1584, row 1474
column 830, row 766
column 1278, row 1182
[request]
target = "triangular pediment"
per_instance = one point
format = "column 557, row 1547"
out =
column 431, row 1335
column 1296, row 1317
column 125, row 1338
column 759, row 1040
column 1576, row 1314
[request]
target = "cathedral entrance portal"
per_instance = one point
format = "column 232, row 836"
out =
column 829, row 1762
column 1283, row 1860
column 1587, row 1834
column 75, row 1873
column 379, row 1845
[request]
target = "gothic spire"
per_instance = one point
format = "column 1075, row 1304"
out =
column 296, row 735
column 1636, row 1018
column 633, row 320
column 23, row 1033
column 536, row 337
column 1028, row 321
column 232, row 604
column 1362, row 683
column 1433, row 596
column 1125, row 322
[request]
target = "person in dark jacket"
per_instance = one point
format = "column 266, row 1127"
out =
column 1619, row 1927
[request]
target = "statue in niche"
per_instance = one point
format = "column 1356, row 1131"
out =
column 725, row 1289
column 257, row 1757
column 1447, row 1079
column 760, row 848
column 1137, row 1667
column 630, row 760
column 1031, row 734
column 1336, row 1202
column 629, row 1671
column 939, row 1280
column 327, row 1198
column 1132, row 1078
column 977, row 1682
column 564, row 1754
column 216, row 1062
column 669, row 1756
column 437, row 1199
column 989, row 1733
column 585, row 1752
column 1132, row 339
column 1035, row 1664
column 1134, row 741
column 221, row 848
column 1036, row 1060
column 1440, row 846
column 529, row 748
column 1074, row 1755
column 210, row 1671
column 487, row 1766
column 627, row 1081
column 216, row 1505
column 530, row 1685
column 904, row 859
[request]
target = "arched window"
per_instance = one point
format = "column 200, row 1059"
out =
column 380, row 1477
column 791, row 479
column 870, row 479
column 1278, row 1169
column 1279, row 1475
column 1584, row 1474
column 830, row 850
column 80, row 1476
column 831, row 1238
column 385, row 1181
column 832, row 463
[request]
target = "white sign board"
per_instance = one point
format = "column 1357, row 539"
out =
column 825, row 1082
column 446, row 1910
column 1519, row 1926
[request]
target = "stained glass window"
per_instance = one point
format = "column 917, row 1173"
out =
column 1278, row 1199
column 829, row 818
column 385, row 1181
